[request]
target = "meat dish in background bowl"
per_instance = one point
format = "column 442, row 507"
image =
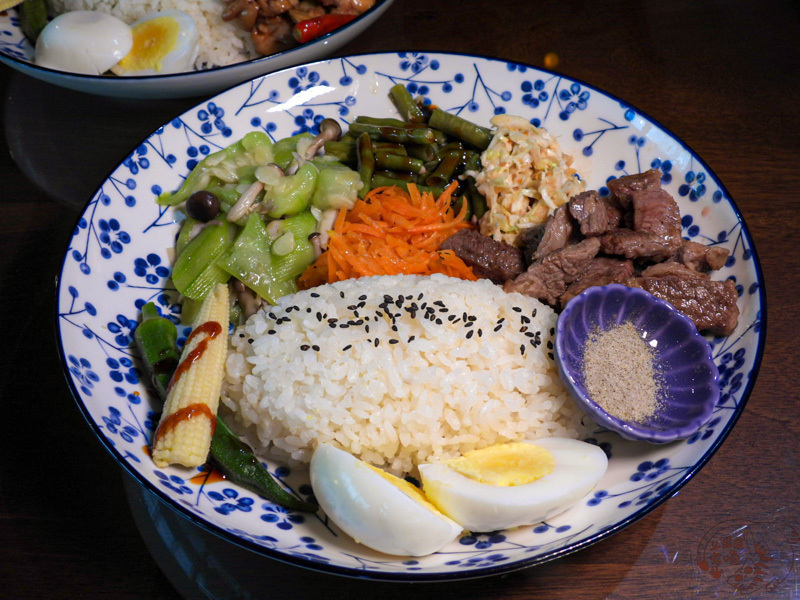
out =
column 231, row 58
column 119, row 257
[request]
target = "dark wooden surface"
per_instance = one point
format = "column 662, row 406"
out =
column 722, row 75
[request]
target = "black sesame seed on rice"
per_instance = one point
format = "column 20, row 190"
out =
column 393, row 341
column 271, row 332
column 314, row 295
column 516, row 309
column 315, row 348
column 469, row 333
column 498, row 328
column 304, row 347
column 346, row 348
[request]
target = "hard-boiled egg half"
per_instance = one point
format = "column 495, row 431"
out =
column 519, row 483
column 83, row 41
column 92, row 43
column 376, row 508
column 165, row 42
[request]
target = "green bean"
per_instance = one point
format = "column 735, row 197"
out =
column 424, row 152
column 422, row 135
column 397, row 175
column 444, row 172
column 394, row 162
column 238, row 463
column 379, row 180
column 460, row 128
column 366, row 163
column 409, row 109
column 457, row 203
column 388, row 122
column 390, row 148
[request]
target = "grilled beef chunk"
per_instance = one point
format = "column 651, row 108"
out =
column 710, row 304
column 548, row 277
column 529, row 241
column 595, row 214
column 624, row 187
column 656, row 230
column 558, row 232
column 671, row 268
column 600, row 271
column 488, row 258
column 700, row 257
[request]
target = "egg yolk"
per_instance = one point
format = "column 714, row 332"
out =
column 516, row 463
column 409, row 489
column 152, row 41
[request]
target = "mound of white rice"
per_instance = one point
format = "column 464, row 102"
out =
column 221, row 42
column 398, row 371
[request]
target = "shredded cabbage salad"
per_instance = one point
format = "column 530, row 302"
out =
column 525, row 177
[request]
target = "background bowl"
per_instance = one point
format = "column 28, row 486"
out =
column 118, row 259
column 17, row 52
column 683, row 359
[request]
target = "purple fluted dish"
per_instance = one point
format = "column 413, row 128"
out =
column 689, row 377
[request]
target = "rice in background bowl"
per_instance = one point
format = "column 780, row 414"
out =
column 398, row 371
column 221, row 42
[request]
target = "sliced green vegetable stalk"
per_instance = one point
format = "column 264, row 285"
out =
column 292, row 194
column 337, row 186
column 195, row 271
column 285, row 148
column 235, row 459
column 288, row 267
column 32, row 18
column 156, row 339
column 253, row 149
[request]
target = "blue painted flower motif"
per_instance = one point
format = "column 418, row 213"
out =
column 122, row 329
column 604, row 446
column 166, row 307
column 123, row 370
column 230, row 501
column 174, row 483
column 82, row 370
column 666, row 168
column 482, row 541
column 706, row 432
column 116, row 279
column 114, row 425
column 111, row 237
column 211, row 118
column 694, row 186
column 731, row 377
column 575, row 98
column 150, row 268
column 137, row 160
column 534, row 93
column 303, row 79
column 650, row 470
column 412, row 61
column 307, row 121
column 284, row 518
column 480, row 561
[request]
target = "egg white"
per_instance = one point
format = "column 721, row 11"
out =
column 373, row 510
column 84, row 42
column 481, row 507
column 158, row 54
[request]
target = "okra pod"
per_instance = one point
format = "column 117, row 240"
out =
column 156, row 339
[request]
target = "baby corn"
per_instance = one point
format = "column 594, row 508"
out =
column 190, row 412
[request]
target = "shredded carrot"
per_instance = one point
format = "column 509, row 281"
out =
column 392, row 232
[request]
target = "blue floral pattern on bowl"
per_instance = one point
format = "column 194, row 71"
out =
column 119, row 257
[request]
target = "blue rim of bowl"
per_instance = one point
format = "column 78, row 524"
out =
column 322, row 40
column 609, row 421
column 488, row 571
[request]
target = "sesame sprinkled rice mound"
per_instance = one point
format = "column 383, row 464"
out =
column 397, row 370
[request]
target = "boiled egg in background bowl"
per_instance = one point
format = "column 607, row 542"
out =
column 82, row 41
column 164, row 42
column 375, row 508
column 514, row 484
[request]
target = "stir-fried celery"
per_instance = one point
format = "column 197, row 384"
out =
column 195, row 271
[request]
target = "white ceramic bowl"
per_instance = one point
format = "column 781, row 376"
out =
column 117, row 260
column 17, row 52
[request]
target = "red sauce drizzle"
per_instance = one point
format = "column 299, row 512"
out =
column 185, row 414
column 212, row 329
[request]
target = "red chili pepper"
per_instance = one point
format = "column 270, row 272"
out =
column 311, row 29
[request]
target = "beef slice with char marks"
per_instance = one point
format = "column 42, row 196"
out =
column 547, row 278
column 623, row 188
column 601, row 270
column 710, row 304
column 488, row 258
column 595, row 214
column 559, row 230
column 700, row 257
column 671, row 268
column 656, row 233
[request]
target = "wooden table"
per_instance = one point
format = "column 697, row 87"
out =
column 723, row 76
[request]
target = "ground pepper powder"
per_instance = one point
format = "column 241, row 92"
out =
column 620, row 373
